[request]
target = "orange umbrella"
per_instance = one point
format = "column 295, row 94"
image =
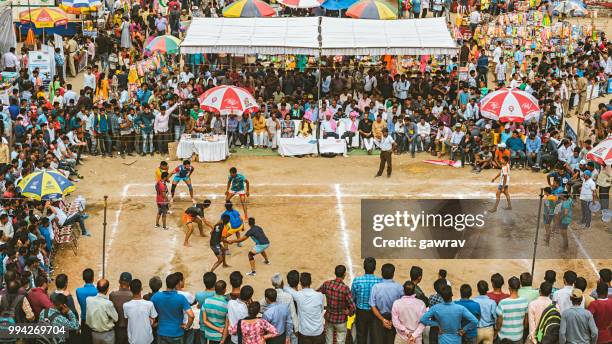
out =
column 44, row 17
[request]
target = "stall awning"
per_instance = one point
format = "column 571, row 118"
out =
column 271, row 36
column 300, row 35
column 345, row 36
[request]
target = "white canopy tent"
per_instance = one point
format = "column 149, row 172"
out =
column 270, row 36
column 300, row 35
column 346, row 36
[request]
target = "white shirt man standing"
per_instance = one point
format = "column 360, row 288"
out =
column 140, row 315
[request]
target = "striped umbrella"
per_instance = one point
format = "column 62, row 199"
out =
column 372, row 9
column 44, row 17
column 80, row 6
column 509, row 105
column 45, row 185
column 602, row 153
column 301, row 3
column 166, row 44
column 228, row 100
column 248, row 9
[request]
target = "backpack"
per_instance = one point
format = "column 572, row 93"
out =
column 547, row 331
column 8, row 314
column 47, row 320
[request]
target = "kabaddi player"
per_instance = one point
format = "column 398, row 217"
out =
column 163, row 167
column 216, row 239
column 237, row 184
column 261, row 244
column 235, row 224
column 183, row 173
column 195, row 214
column 504, row 183
column 161, row 190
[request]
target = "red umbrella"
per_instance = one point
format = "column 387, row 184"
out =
column 228, row 100
column 509, row 105
column 602, row 153
column 606, row 115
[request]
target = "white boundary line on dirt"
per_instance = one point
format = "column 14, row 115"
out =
column 490, row 196
column 343, row 231
column 113, row 232
column 584, row 253
column 478, row 183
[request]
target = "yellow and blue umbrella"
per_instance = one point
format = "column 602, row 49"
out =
column 45, row 185
column 248, row 9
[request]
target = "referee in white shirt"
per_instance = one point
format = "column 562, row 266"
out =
column 387, row 146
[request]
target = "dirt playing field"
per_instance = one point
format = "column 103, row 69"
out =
column 309, row 208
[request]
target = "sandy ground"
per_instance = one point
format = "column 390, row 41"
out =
column 309, row 207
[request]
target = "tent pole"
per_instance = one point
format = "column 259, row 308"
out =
column 535, row 242
column 319, row 103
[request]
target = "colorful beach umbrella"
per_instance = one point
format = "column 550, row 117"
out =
column 372, row 9
column 602, row 153
column 80, row 6
column 300, row 3
column 166, row 44
column 248, row 9
column 44, row 17
column 45, row 185
column 509, row 105
column 228, row 100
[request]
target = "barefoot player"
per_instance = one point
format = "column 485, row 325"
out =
column 504, row 183
column 183, row 173
column 216, row 240
column 237, row 184
column 161, row 190
column 195, row 214
column 261, row 244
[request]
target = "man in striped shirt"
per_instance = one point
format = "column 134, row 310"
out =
column 361, row 290
column 512, row 314
column 214, row 315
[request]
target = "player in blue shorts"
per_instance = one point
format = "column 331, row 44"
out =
column 182, row 173
column 237, row 184
column 261, row 244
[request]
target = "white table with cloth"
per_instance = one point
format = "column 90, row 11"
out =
column 208, row 149
column 303, row 146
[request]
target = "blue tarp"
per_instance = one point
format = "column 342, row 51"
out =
column 64, row 30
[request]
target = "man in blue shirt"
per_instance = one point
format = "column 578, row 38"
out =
column 361, row 290
column 279, row 316
column 534, row 150
column 102, row 128
column 82, row 293
column 517, row 148
column 449, row 316
column 170, row 306
column 473, row 307
column 381, row 300
column 488, row 315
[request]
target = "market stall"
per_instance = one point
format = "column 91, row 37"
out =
column 208, row 148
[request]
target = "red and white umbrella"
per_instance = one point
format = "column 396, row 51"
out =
column 509, row 105
column 301, row 3
column 602, row 153
column 228, row 100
